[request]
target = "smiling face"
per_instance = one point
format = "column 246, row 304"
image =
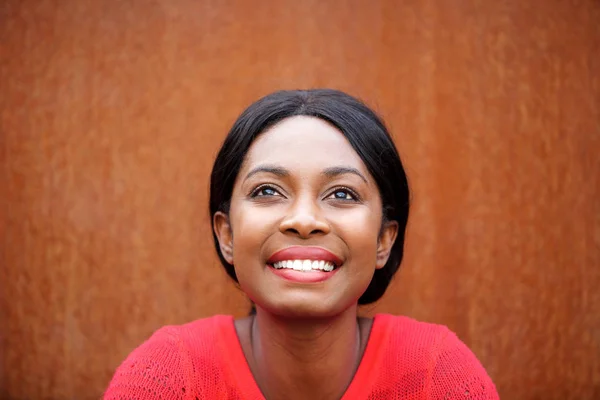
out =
column 304, row 230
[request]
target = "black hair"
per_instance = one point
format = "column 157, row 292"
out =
column 360, row 125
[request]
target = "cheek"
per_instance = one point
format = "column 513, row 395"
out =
column 360, row 230
column 251, row 227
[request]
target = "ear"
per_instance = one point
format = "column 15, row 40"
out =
column 387, row 237
column 222, row 229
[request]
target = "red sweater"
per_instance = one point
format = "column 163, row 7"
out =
column 404, row 359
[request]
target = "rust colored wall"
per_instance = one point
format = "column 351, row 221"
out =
column 112, row 112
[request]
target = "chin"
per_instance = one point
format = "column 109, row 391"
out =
column 301, row 308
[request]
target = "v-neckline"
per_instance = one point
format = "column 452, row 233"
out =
column 359, row 387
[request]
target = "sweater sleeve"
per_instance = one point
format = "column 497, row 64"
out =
column 458, row 374
column 155, row 370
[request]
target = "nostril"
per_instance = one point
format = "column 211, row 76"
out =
column 304, row 233
column 303, row 226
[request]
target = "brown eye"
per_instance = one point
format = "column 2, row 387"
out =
column 343, row 194
column 265, row 191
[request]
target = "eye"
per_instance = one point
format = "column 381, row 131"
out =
column 343, row 194
column 265, row 191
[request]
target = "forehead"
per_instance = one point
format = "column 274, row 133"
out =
column 303, row 141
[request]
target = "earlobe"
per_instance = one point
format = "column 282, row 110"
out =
column 387, row 238
column 222, row 229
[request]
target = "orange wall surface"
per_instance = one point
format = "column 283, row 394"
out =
column 112, row 112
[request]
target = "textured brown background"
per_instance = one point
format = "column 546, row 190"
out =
column 112, row 112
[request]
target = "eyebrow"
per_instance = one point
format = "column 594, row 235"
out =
column 270, row 169
column 330, row 172
column 341, row 170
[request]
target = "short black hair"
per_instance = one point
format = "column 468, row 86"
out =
column 361, row 126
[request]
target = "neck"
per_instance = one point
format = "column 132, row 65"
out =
column 305, row 358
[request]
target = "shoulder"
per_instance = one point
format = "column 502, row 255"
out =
column 406, row 342
column 408, row 334
column 164, row 364
column 457, row 373
column 432, row 357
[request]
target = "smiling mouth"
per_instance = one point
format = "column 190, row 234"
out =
column 305, row 265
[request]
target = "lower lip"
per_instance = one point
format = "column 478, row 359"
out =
column 303, row 276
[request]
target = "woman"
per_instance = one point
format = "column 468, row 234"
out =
column 309, row 204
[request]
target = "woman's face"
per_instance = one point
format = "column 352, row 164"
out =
column 303, row 203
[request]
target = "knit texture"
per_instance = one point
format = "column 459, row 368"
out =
column 404, row 359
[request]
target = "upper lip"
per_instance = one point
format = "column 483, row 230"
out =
column 304, row 253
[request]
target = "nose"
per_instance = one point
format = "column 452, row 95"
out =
column 304, row 219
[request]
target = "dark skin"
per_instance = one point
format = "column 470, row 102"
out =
column 302, row 184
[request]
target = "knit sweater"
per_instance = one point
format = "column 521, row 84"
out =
column 404, row 359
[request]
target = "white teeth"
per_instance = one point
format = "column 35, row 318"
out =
column 305, row 265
